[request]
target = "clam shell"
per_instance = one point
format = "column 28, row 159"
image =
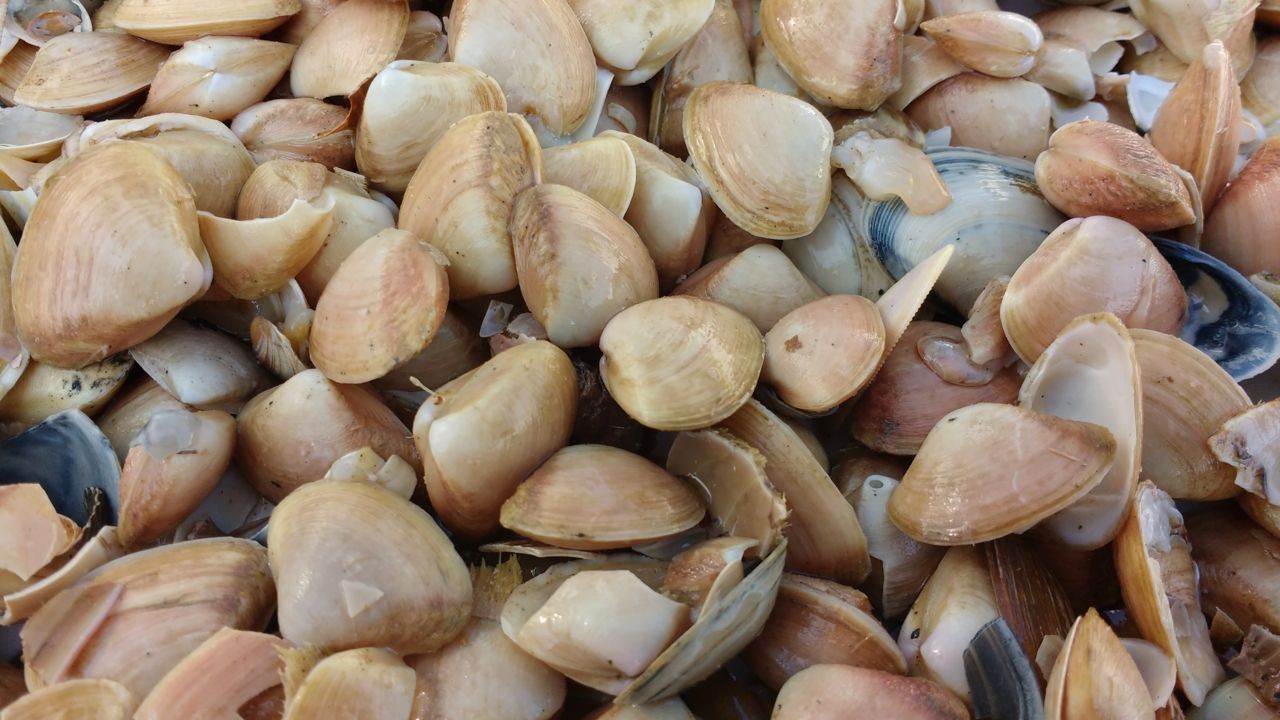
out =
column 44, row 390
column 924, row 65
column 760, row 282
column 129, row 411
column 227, row 671
column 253, row 258
column 297, row 129
column 365, row 683
column 357, row 216
column 1235, row 231
column 30, row 134
column 382, row 307
column 771, row 185
column 843, row 54
column 603, row 168
column 92, row 554
column 839, row 692
column 594, row 497
column 1061, row 459
column 143, row 247
column 425, row 39
column 461, row 196
column 1187, row 29
column 392, row 137
column 997, row 219
column 358, row 566
column 636, row 42
column 817, row 622
column 980, row 112
column 177, row 21
column 823, row 529
column 217, row 77
column 578, row 264
column 1002, row 681
column 100, row 699
column 85, row 72
column 823, row 353
column 458, row 429
column 1235, row 698
column 1090, row 374
column 1094, row 674
column 1228, row 318
column 1185, row 400
column 900, row 566
column 555, row 79
column 1158, row 581
column 680, row 363
column 999, row 44
column 14, row 68
column 1260, row 89
column 1244, row 442
column 1096, row 264
column 292, row 433
column 348, row 46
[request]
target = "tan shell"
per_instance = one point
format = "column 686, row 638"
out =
column 1046, row 464
column 823, row 531
column 200, row 366
column 844, row 54
column 1198, row 126
column 297, row 129
column 14, row 68
column 162, row 483
column 669, row 209
column 253, row 258
column 292, row 433
column 771, row 185
column 603, row 168
column 43, row 390
column 1158, row 582
column 393, row 136
column 1004, row 116
column 555, row 77
column 1238, row 568
column 840, row 692
column 110, row 623
column 85, row 72
column 176, row 21
column 347, row 47
column 359, row 566
column 227, row 671
column 907, row 397
column 731, row 475
column 924, row 65
column 73, row 700
column 816, row 622
column 578, row 263
column 636, row 40
column 381, row 308
column 1090, row 265
column 476, row 438
column 1237, row 229
column 1245, row 443
column 129, row 411
column 1098, row 168
column 425, row 40
column 461, row 196
column 1063, row 67
column 455, row 349
column 1090, row 374
column 34, row 532
column 1000, row 44
column 217, row 77
column 357, row 216
column 1186, row 397
column 1187, row 28
column 1094, row 676
column 143, row 248
column 297, row 27
column 30, row 134
column 680, row 363
column 760, row 282
column 823, row 353
column 368, row 683
column 595, row 497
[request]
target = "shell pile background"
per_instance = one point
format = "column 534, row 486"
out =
column 665, row 359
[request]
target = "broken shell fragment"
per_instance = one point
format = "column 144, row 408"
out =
column 595, row 497
column 253, row 258
column 996, row 43
column 228, row 670
column 30, row 134
column 1061, row 459
column 358, row 566
column 34, row 533
column 200, row 367
column 1246, row 442
column 900, row 566
column 840, row 692
column 680, row 363
column 887, row 167
column 771, row 186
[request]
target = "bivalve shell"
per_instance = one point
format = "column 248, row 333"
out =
column 30, row 134
column 760, row 282
column 840, row 692
column 297, row 129
column 999, row 44
column 823, row 353
column 217, row 77
column 1239, row 567
column 176, row 21
column 1094, row 676
column 74, row 700
column 1006, row 116
column 603, row 168
column 1237, row 230
column 366, row 683
column 595, row 497
column 85, row 72
column 348, row 46
column 636, row 40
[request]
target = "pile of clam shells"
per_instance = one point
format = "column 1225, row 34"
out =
column 639, row 359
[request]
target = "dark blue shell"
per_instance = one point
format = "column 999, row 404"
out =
column 67, row 455
column 1002, row 681
column 1228, row 318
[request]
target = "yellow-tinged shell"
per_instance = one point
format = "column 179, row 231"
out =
column 84, row 72
column 772, row 184
column 393, row 135
column 347, row 47
column 381, row 308
column 760, row 282
column 997, row 43
column 823, row 353
column 603, row 168
column 635, row 40
column 483, row 433
column 822, row 530
column 554, row 78
column 816, row 622
column 680, row 363
column 176, row 21
column 254, row 258
column 1239, row 566
column 956, row 492
column 358, row 566
column 292, row 433
column 366, row 683
column 297, row 129
column 1186, row 397
column 595, row 497
column 840, row 692
column 1090, row 265
column 1094, row 676
column 460, row 198
column 110, row 254
column 43, row 390
column 217, row 77
column 74, row 700
column 844, row 54
column 1099, row 168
